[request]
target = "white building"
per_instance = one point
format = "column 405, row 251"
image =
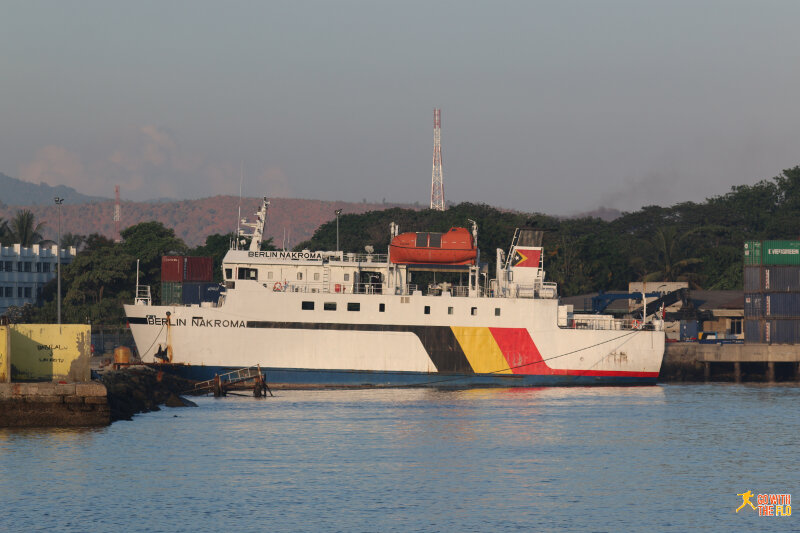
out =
column 24, row 271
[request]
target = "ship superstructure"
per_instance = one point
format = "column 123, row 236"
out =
column 332, row 318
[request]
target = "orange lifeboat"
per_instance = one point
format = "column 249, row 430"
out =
column 423, row 248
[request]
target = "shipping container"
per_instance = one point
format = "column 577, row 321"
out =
column 783, row 331
column 198, row 269
column 171, row 293
column 780, row 278
column 780, row 253
column 753, row 279
column 753, row 305
column 782, row 304
column 752, row 253
column 172, row 268
column 197, row 293
column 754, row 331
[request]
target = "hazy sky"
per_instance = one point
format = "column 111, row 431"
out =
column 557, row 107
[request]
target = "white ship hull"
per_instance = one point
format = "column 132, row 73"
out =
column 460, row 342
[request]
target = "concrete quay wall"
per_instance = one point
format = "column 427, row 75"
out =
column 692, row 361
column 53, row 405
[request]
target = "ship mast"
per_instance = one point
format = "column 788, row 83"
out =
column 258, row 226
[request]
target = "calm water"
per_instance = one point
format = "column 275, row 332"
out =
column 666, row 458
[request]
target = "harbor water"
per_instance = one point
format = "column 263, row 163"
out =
column 663, row 458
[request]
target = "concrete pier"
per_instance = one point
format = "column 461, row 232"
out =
column 685, row 361
column 53, row 405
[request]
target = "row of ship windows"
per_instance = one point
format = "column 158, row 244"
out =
column 356, row 306
column 22, row 292
column 252, row 274
column 23, row 266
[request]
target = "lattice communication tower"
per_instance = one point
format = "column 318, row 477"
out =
column 117, row 210
column 437, row 187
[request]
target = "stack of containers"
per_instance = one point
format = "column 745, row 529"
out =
column 772, row 292
column 187, row 280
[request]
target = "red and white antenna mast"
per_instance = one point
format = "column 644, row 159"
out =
column 117, row 236
column 437, row 187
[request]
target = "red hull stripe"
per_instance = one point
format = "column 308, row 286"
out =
column 523, row 357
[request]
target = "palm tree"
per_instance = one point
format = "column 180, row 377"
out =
column 668, row 257
column 73, row 239
column 24, row 230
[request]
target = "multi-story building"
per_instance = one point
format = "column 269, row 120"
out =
column 24, row 271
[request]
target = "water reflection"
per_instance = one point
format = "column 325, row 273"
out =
column 411, row 459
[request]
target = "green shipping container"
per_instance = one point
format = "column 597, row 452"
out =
column 171, row 293
column 780, row 252
column 752, row 252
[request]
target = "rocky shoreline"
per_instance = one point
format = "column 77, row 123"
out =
column 136, row 390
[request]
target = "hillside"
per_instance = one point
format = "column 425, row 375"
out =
column 18, row 192
column 193, row 220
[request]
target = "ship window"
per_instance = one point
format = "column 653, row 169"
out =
column 496, row 311
column 347, row 277
column 316, row 276
column 427, row 309
column 269, row 275
column 474, row 311
column 353, row 306
column 38, row 267
column 422, row 240
column 9, row 292
column 436, row 240
column 45, row 267
column 19, row 292
column 247, row 273
column 329, row 306
column 382, row 308
column 299, row 275
column 449, row 310
column 228, row 273
column 307, row 306
column 27, row 292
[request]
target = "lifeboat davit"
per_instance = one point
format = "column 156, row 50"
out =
column 424, row 248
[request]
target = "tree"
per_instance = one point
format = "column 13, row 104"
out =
column 3, row 229
column 147, row 242
column 24, row 229
column 667, row 257
column 73, row 239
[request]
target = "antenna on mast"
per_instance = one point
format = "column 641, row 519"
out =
column 239, row 216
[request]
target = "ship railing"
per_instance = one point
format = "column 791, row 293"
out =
column 318, row 287
column 460, row 291
column 142, row 295
column 368, row 288
column 365, row 258
column 608, row 323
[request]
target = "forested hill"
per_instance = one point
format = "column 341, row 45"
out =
column 192, row 220
column 18, row 192
column 696, row 242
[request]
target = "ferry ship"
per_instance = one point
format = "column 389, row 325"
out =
column 336, row 319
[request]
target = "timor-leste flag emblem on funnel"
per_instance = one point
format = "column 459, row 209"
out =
column 526, row 258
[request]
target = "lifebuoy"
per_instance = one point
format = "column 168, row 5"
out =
column 277, row 287
column 637, row 324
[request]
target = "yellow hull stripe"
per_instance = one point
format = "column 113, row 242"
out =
column 482, row 351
